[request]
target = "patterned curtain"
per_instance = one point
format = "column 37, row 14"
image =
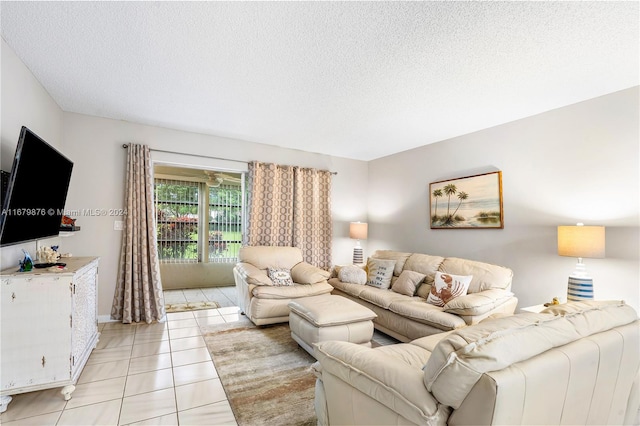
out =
column 270, row 205
column 138, row 295
column 290, row 206
column 312, row 226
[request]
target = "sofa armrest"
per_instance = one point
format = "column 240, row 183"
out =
column 392, row 376
column 478, row 304
column 320, row 399
column 305, row 273
column 252, row 275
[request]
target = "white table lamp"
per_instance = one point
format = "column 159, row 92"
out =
column 358, row 231
column 581, row 241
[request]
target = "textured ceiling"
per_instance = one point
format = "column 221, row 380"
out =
column 352, row 79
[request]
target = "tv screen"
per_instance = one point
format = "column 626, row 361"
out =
column 34, row 201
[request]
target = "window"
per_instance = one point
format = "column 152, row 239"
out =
column 225, row 223
column 199, row 221
column 177, row 220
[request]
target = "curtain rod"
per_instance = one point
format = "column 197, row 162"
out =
column 125, row 146
column 184, row 153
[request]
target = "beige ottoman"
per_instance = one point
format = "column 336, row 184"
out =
column 328, row 317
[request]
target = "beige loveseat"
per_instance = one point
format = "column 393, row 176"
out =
column 259, row 298
column 410, row 317
column 576, row 363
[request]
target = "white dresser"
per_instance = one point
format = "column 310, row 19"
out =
column 48, row 326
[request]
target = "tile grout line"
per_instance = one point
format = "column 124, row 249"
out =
column 173, row 375
column 126, row 378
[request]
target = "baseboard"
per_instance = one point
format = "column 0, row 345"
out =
column 105, row 318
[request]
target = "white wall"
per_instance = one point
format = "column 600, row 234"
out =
column 574, row 164
column 95, row 145
column 23, row 102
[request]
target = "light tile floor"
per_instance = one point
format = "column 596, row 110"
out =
column 145, row 374
column 225, row 296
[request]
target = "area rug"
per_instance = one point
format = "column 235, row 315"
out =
column 266, row 375
column 190, row 306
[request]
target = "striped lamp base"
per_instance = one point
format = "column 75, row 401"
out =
column 357, row 255
column 580, row 288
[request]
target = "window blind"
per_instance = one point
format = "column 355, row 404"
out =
column 177, row 220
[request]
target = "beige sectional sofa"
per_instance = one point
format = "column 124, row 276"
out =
column 259, row 298
column 410, row 317
column 576, row 363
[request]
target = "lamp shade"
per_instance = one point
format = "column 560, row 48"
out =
column 358, row 230
column 581, row 241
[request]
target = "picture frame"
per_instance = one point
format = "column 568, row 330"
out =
column 470, row 202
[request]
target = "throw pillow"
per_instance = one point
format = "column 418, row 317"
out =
column 408, row 282
column 280, row 276
column 447, row 287
column 379, row 272
column 352, row 274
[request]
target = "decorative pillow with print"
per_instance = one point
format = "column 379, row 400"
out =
column 280, row 276
column 379, row 272
column 447, row 287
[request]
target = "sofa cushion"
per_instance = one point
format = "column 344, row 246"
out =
column 477, row 303
column 399, row 256
column 305, row 273
column 280, row 276
column 485, row 275
column 349, row 288
column 379, row 272
column 425, row 264
column 447, row 287
column 418, row 310
column 425, row 288
column 380, row 297
column 253, row 275
column 407, row 283
column 463, row 356
column 291, row 291
column 335, row 271
column 329, row 310
column 263, row 257
column 352, row 274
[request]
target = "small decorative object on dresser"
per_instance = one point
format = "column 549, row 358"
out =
column 48, row 327
column 554, row 301
column 541, row 307
column 47, row 254
column 26, row 264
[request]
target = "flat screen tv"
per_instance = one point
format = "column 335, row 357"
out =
column 34, row 201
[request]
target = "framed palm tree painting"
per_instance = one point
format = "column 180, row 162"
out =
column 472, row 202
